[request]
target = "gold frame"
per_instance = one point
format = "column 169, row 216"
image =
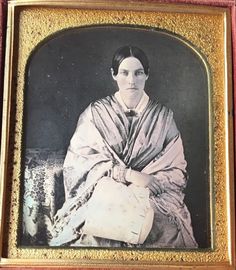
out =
column 221, row 256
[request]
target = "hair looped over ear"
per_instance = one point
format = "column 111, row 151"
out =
column 129, row 51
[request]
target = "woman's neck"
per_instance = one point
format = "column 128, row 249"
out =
column 131, row 102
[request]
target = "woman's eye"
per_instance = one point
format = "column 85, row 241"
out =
column 125, row 73
column 139, row 72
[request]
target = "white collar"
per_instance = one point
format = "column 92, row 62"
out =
column 139, row 108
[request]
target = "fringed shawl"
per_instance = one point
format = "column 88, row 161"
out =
column 104, row 136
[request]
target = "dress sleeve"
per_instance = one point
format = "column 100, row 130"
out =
column 86, row 156
column 168, row 168
column 172, row 176
column 171, row 133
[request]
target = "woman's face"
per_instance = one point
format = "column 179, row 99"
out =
column 131, row 77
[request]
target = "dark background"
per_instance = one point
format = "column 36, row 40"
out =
column 72, row 68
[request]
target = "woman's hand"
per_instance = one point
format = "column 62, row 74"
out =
column 143, row 180
column 138, row 178
column 123, row 175
column 154, row 187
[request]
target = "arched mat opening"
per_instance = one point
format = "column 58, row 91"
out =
column 72, row 68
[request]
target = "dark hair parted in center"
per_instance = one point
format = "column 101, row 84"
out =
column 129, row 51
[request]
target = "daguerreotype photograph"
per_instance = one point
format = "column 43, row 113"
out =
column 116, row 141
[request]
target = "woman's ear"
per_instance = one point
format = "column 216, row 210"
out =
column 147, row 75
column 112, row 74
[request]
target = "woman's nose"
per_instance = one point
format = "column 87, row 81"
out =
column 131, row 78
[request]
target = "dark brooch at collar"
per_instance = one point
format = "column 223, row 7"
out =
column 131, row 113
